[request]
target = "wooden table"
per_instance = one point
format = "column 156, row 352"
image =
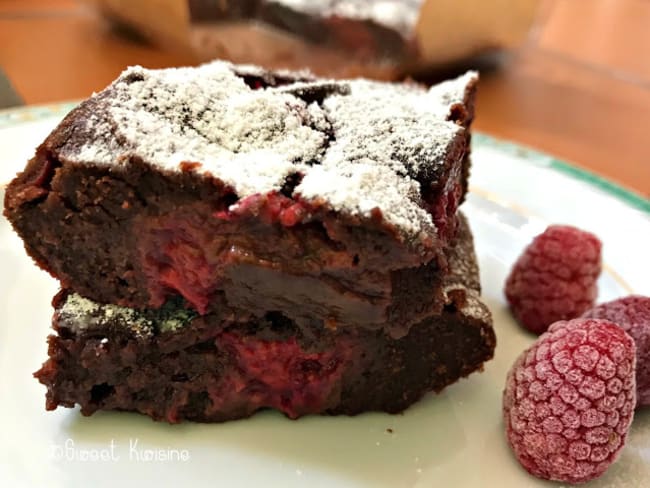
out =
column 579, row 89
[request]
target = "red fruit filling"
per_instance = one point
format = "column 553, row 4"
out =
column 444, row 212
column 270, row 209
column 175, row 262
column 442, row 203
column 282, row 375
column 187, row 252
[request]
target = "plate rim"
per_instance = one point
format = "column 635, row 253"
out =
column 569, row 169
column 14, row 116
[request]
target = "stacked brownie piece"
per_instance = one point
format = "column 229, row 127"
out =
column 229, row 239
column 354, row 36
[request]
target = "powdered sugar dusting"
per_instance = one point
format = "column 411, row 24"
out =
column 360, row 146
column 355, row 188
column 80, row 314
column 471, row 306
column 372, row 162
column 249, row 139
column 448, row 92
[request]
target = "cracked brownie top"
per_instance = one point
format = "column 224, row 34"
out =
column 353, row 146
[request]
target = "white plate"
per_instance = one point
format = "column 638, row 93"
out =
column 452, row 439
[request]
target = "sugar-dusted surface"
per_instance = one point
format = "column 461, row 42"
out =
column 569, row 400
column 555, row 278
column 632, row 314
column 84, row 314
column 400, row 15
column 381, row 146
column 359, row 145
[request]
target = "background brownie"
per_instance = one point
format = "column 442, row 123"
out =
column 207, row 181
column 173, row 364
column 374, row 33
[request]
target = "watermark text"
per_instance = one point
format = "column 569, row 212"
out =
column 113, row 451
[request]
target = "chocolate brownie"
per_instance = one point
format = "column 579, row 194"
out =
column 380, row 32
column 269, row 190
column 173, row 364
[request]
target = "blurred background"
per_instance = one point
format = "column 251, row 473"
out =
column 569, row 77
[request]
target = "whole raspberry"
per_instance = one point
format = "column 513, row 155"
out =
column 569, row 400
column 632, row 313
column 555, row 277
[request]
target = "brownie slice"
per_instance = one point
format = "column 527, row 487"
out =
column 373, row 32
column 270, row 190
column 173, row 364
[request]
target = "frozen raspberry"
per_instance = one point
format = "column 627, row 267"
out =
column 632, row 313
column 569, row 400
column 555, row 277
